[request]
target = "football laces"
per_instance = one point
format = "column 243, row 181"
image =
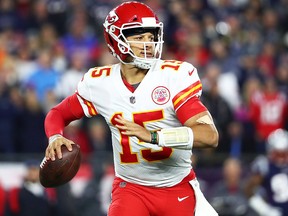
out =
column 43, row 162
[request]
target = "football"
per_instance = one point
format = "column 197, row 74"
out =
column 60, row 171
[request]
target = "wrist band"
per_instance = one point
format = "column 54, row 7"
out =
column 179, row 138
column 153, row 137
column 54, row 137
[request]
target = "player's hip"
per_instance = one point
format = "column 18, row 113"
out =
column 163, row 201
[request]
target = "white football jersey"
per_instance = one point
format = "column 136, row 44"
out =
column 153, row 105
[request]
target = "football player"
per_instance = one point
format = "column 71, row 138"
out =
column 153, row 109
column 268, row 184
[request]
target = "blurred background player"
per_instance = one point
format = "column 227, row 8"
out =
column 155, row 115
column 228, row 194
column 267, row 186
column 268, row 111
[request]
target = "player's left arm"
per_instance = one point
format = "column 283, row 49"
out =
column 204, row 131
column 198, row 129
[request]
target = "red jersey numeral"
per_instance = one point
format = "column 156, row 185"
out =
column 97, row 72
column 127, row 156
column 171, row 64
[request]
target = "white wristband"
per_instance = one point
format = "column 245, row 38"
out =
column 54, row 137
column 179, row 138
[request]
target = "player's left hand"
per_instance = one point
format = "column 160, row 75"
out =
column 132, row 129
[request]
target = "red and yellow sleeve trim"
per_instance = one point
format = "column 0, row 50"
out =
column 182, row 96
column 90, row 107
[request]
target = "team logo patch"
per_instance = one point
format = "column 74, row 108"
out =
column 160, row 95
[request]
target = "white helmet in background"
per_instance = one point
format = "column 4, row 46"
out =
column 277, row 146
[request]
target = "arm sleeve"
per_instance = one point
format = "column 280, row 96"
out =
column 192, row 107
column 62, row 114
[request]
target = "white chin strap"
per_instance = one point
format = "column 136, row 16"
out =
column 143, row 64
column 140, row 63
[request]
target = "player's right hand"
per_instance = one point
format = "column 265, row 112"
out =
column 54, row 147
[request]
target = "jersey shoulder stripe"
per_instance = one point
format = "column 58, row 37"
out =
column 187, row 93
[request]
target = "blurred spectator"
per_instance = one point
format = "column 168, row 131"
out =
column 60, row 60
column 249, row 69
column 222, row 9
column 228, row 197
column 105, row 187
column 229, row 89
column 209, row 28
column 270, row 22
column 8, row 124
column 81, row 179
column 281, row 77
column 75, row 132
column 268, row 111
column 241, row 114
column 31, row 198
column 69, row 80
column 105, row 58
column 31, row 136
column 47, row 36
column 84, row 189
column 236, row 139
column 65, row 202
column 8, row 16
column 235, row 36
column 40, row 15
column 99, row 134
column 218, row 107
column 267, row 185
column 267, row 59
column 220, row 56
column 45, row 78
column 25, row 63
column 24, row 9
column 80, row 38
column 58, row 12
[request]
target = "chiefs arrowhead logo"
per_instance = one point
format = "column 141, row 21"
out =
column 111, row 18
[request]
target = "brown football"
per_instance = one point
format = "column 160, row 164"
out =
column 60, row 171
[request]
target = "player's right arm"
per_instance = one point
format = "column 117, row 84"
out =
column 56, row 120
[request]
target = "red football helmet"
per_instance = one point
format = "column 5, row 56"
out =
column 129, row 17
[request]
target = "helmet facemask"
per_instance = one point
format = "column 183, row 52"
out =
column 146, row 61
column 120, row 36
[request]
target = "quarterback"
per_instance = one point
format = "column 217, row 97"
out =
column 153, row 109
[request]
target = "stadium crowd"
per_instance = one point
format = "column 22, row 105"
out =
column 239, row 47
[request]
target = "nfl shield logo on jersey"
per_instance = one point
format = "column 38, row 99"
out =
column 132, row 100
column 160, row 95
